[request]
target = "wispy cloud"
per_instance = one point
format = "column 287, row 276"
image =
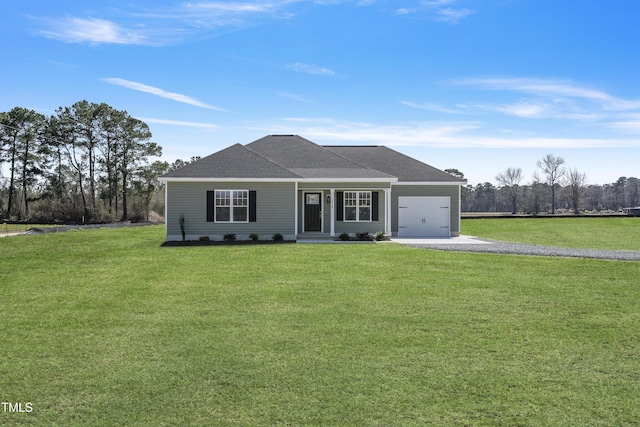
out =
column 237, row 7
column 552, row 89
column 439, row 10
column 524, row 109
column 552, row 99
column 179, row 123
column 160, row 25
column 627, row 124
column 402, row 134
column 434, row 107
column 310, row 69
column 452, row 15
column 163, row 25
column 160, row 92
column 90, row 31
column 430, row 134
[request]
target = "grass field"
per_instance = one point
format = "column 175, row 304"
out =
column 621, row 233
column 105, row 327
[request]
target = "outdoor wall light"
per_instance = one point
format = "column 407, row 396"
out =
column 328, row 198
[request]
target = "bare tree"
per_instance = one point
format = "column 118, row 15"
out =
column 511, row 178
column 575, row 186
column 537, row 189
column 553, row 169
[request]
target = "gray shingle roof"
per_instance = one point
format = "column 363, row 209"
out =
column 311, row 160
column 291, row 156
column 236, row 161
column 385, row 159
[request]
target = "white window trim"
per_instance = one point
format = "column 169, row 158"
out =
column 231, row 207
column 357, row 206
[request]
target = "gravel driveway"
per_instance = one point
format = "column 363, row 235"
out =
column 498, row 247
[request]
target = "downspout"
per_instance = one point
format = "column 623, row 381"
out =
column 387, row 211
column 166, row 210
column 459, row 209
column 333, row 212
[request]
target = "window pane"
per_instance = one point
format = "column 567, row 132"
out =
column 350, row 198
column 239, row 214
column 240, row 198
column 223, row 214
column 223, row 198
column 349, row 213
column 365, row 213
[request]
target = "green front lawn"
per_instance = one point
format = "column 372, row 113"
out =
column 621, row 233
column 105, row 327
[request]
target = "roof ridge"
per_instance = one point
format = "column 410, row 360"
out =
column 352, row 145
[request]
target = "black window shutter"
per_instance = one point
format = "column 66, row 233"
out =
column 210, row 205
column 374, row 206
column 339, row 205
column 252, row 206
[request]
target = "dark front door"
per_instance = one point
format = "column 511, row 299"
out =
column 312, row 211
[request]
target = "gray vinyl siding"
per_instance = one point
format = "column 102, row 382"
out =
column 274, row 210
column 452, row 191
column 371, row 227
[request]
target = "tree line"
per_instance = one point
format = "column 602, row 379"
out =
column 90, row 163
column 85, row 163
column 553, row 188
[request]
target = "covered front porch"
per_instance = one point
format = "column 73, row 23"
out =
column 327, row 211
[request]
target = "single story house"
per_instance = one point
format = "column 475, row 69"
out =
column 289, row 185
column 632, row 211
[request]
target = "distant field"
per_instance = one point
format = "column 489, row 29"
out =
column 106, row 327
column 621, row 233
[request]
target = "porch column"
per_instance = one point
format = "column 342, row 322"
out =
column 387, row 211
column 295, row 210
column 333, row 211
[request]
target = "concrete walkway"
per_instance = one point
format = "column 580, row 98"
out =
column 461, row 240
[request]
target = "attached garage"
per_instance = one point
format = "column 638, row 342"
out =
column 424, row 216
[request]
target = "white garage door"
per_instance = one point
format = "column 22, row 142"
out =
column 424, row 216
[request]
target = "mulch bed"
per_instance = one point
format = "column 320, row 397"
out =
column 224, row 243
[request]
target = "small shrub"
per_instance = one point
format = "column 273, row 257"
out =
column 344, row 237
column 277, row 237
column 181, row 221
column 230, row 237
column 203, row 238
column 379, row 236
column 254, row 237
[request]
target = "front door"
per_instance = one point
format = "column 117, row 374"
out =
column 313, row 212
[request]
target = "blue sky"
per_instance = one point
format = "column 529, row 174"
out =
column 477, row 85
